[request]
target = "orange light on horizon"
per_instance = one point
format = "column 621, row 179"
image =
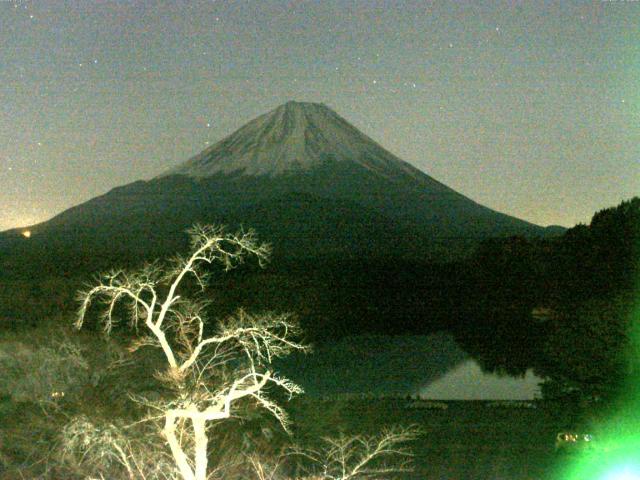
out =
column 26, row 233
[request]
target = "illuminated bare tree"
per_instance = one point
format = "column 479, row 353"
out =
column 346, row 457
column 351, row 457
column 209, row 374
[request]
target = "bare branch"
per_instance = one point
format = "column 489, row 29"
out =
column 207, row 375
column 264, row 337
column 361, row 457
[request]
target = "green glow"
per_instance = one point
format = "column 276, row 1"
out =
column 614, row 462
column 630, row 472
column 618, row 453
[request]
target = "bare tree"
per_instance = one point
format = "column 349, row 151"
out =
column 351, row 457
column 346, row 457
column 111, row 451
column 208, row 374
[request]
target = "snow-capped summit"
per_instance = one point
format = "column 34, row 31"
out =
column 296, row 136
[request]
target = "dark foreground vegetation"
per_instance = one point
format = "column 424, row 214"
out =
column 458, row 440
column 465, row 440
column 566, row 307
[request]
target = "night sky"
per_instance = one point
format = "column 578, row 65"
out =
column 531, row 108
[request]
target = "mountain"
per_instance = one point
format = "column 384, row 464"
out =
column 301, row 175
column 294, row 138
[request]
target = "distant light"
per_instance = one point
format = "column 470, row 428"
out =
column 26, row 233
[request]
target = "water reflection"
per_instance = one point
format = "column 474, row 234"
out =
column 433, row 366
column 467, row 381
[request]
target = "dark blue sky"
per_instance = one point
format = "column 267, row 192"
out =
column 531, row 108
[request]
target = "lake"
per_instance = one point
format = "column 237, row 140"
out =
column 432, row 366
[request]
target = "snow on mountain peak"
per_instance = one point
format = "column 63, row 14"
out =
column 296, row 136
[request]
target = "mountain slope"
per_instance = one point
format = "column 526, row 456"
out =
column 292, row 138
column 308, row 180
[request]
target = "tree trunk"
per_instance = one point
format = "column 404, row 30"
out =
column 200, row 437
column 176, row 450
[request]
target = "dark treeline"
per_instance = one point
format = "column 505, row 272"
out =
column 560, row 305
column 563, row 306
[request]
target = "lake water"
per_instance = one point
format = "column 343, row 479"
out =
column 467, row 381
column 432, row 366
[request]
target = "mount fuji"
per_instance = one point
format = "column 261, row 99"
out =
column 306, row 179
